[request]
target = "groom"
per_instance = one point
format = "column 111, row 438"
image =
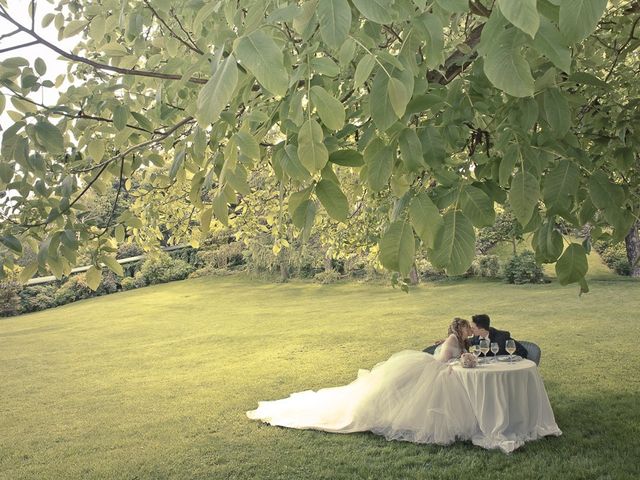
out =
column 482, row 329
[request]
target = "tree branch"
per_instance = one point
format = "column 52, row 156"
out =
column 455, row 64
column 16, row 47
column 174, row 34
column 92, row 63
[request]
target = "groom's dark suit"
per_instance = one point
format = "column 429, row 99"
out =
column 501, row 337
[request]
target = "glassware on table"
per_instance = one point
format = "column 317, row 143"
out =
column 510, row 347
column 475, row 349
column 494, row 349
column 484, row 347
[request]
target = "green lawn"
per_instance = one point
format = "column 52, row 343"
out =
column 154, row 383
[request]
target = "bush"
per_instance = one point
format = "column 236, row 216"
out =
column 522, row 268
column 9, row 297
column 74, row 289
column 327, row 277
column 110, row 283
column 128, row 283
column 226, row 255
column 38, row 297
column 210, row 271
column 126, row 250
column 486, row 266
column 614, row 255
column 161, row 269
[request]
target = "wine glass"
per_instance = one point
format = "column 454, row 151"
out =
column 494, row 349
column 510, row 347
column 484, row 347
column 476, row 351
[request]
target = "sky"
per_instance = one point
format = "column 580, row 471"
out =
column 18, row 9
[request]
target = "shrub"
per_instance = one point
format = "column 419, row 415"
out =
column 162, row 268
column 210, row 271
column 128, row 283
column 486, row 266
column 126, row 250
column 38, row 297
column 73, row 289
column 110, row 283
column 226, row 255
column 614, row 255
column 9, row 297
column 522, row 268
column 326, row 277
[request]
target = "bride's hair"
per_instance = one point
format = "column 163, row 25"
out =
column 457, row 327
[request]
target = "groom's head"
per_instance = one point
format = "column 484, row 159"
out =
column 480, row 323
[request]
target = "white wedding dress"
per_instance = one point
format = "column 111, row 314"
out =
column 412, row 396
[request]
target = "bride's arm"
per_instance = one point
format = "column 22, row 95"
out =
column 449, row 349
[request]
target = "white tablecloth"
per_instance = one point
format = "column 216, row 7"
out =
column 510, row 403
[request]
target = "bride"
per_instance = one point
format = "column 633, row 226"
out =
column 412, row 396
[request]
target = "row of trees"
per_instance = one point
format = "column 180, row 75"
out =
column 400, row 121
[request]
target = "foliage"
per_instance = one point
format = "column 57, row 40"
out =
column 38, row 297
column 73, row 289
column 10, row 290
column 128, row 250
column 430, row 112
column 128, row 283
column 327, row 276
column 486, row 266
column 505, row 229
column 614, row 256
column 161, row 268
column 523, row 268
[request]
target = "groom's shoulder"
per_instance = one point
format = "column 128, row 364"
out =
column 500, row 332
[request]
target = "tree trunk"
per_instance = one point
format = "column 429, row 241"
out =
column 414, row 278
column 632, row 242
column 514, row 245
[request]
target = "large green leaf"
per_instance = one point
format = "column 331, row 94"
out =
column 334, row 17
column 363, row 69
column 287, row 159
column 425, row 218
column 382, row 110
column 217, row 92
column 557, row 112
column 506, row 68
column 333, row 200
column 379, row 160
column 579, row 18
column 347, row 158
column 552, row 44
column 94, row 277
column 524, row 195
column 12, row 243
column 399, row 96
column 397, row 247
column 304, row 217
column 455, row 244
column 603, row 192
column 559, row 184
column 477, row 206
column 379, row 11
column 430, row 27
column 572, row 266
column 508, row 163
column 521, row 13
column 411, row 150
column 50, row 137
column 329, row 108
column 547, row 242
column 261, row 55
column 312, row 152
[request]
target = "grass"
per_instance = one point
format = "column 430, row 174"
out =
column 154, row 383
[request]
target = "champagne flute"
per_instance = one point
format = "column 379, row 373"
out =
column 484, row 347
column 510, row 347
column 494, row 349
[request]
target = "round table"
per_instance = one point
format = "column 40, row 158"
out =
column 510, row 402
